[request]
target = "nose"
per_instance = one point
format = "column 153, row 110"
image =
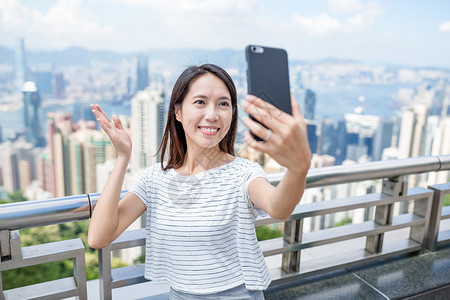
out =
column 211, row 113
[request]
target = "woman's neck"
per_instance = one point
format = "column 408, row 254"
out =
column 199, row 160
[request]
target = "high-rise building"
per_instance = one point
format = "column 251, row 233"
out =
column 383, row 137
column 10, row 168
column 341, row 142
column 327, row 140
column 76, row 163
column 411, row 130
column 142, row 72
column 441, row 145
column 32, row 113
column 147, row 124
column 96, row 150
column 59, row 86
column 431, row 127
column 21, row 67
column 310, row 104
column 311, row 128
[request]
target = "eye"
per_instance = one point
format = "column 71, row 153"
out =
column 199, row 102
column 224, row 103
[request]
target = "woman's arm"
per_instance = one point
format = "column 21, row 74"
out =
column 288, row 145
column 111, row 217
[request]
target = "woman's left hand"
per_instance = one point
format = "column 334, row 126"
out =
column 288, row 142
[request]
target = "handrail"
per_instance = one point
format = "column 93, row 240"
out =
column 74, row 208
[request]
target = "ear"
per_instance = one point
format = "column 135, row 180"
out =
column 177, row 113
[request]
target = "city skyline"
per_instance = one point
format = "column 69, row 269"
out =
column 412, row 33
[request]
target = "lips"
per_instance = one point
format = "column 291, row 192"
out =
column 209, row 130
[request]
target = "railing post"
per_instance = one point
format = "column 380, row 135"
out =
column 79, row 272
column 2, row 297
column 439, row 191
column 104, row 273
column 393, row 187
column 292, row 234
column 5, row 248
column 422, row 208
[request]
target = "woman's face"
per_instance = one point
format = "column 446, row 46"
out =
column 206, row 112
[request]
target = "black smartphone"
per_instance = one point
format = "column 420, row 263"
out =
column 268, row 76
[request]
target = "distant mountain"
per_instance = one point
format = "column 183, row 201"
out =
column 227, row 58
column 74, row 56
column 331, row 60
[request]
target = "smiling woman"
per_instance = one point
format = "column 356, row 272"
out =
column 202, row 202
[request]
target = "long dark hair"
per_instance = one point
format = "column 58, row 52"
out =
column 174, row 136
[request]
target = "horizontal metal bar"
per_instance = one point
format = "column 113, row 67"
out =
column 345, row 204
column 127, row 275
column 445, row 213
column 343, row 260
column 338, row 234
column 74, row 208
column 43, row 212
column 371, row 170
column 44, row 253
column 56, row 289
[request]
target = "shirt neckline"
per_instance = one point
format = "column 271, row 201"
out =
column 206, row 172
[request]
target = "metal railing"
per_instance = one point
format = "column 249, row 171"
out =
column 423, row 223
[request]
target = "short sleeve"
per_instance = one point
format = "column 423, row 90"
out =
column 140, row 186
column 254, row 171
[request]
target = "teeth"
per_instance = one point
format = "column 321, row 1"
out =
column 209, row 129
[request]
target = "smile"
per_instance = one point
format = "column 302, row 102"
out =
column 209, row 130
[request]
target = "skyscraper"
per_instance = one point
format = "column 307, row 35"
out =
column 142, row 72
column 21, row 68
column 311, row 128
column 383, row 138
column 310, row 104
column 10, row 169
column 411, row 131
column 327, row 140
column 32, row 112
column 147, row 124
column 59, row 86
column 341, row 142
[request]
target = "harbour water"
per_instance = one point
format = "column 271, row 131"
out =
column 331, row 102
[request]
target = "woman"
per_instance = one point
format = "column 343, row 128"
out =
column 202, row 202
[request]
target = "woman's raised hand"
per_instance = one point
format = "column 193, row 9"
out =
column 287, row 142
column 114, row 129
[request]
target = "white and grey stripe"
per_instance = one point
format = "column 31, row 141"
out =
column 200, row 229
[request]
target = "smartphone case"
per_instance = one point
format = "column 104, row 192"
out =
column 268, row 75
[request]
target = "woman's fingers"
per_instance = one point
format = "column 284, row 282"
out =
column 263, row 115
column 270, row 109
column 117, row 122
column 296, row 111
column 257, row 129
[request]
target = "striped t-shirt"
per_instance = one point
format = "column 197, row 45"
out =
column 200, row 229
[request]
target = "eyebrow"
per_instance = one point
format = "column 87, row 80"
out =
column 204, row 97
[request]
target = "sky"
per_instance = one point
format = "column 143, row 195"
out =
column 400, row 32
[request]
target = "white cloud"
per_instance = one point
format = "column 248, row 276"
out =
column 194, row 6
column 317, row 25
column 65, row 24
column 345, row 6
column 362, row 15
column 445, row 27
